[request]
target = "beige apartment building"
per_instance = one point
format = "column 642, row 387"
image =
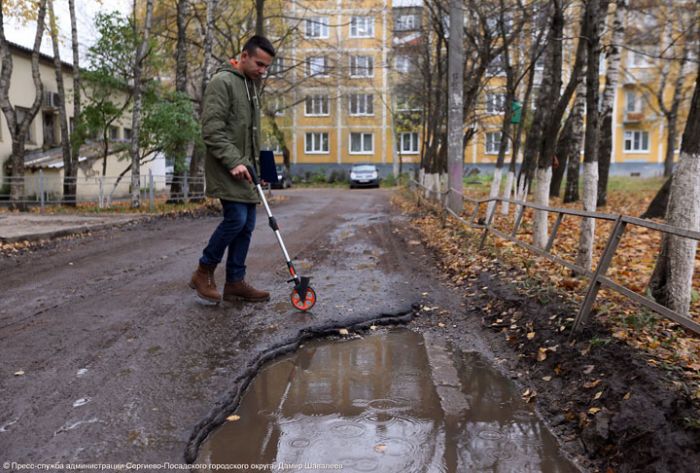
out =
column 43, row 153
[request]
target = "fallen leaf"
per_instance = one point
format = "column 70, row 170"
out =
column 594, row 410
column 588, row 369
column 627, row 396
column 597, row 395
column 373, row 327
column 380, row 448
column 591, row 384
column 541, row 354
column 441, row 325
column 19, row 373
column 547, row 378
column 233, row 418
column 414, row 242
column 343, row 331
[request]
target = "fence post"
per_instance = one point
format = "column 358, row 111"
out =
column 151, row 192
column 600, row 270
column 41, row 190
column 487, row 227
column 100, row 195
column 186, row 188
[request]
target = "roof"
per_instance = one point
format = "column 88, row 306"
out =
column 52, row 158
column 18, row 48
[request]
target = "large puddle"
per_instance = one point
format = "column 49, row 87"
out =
column 391, row 402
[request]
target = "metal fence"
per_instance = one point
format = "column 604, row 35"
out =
column 598, row 278
column 42, row 189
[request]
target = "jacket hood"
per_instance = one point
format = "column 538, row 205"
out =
column 230, row 66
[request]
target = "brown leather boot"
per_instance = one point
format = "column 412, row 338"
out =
column 241, row 290
column 203, row 282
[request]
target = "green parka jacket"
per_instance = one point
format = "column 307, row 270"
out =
column 231, row 133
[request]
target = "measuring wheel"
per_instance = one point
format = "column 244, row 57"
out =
column 305, row 304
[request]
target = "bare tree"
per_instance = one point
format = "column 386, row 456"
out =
column 138, row 106
column 671, row 282
column 77, row 134
column 19, row 121
column 594, row 8
column 612, row 78
column 176, row 187
column 70, row 169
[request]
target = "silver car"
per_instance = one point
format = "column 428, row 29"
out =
column 364, row 175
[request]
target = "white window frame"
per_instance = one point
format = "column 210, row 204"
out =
column 491, row 146
column 361, row 105
column 362, row 143
column 318, row 140
column 276, row 67
column 410, row 138
column 362, row 27
column 407, row 22
column 319, row 103
column 496, row 67
column 279, row 104
column 629, row 137
column 316, row 27
column 356, row 68
column 495, row 103
column 405, row 101
column 402, row 63
column 311, row 62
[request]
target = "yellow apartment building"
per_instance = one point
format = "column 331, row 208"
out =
column 350, row 55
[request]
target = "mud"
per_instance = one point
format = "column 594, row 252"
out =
column 107, row 356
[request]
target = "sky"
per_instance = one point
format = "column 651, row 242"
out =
column 86, row 10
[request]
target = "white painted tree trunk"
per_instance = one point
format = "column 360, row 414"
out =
column 584, row 257
column 543, row 179
column 495, row 189
column 507, row 192
column 685, row 202
column 521, row 190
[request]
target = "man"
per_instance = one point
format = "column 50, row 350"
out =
column 231, row 132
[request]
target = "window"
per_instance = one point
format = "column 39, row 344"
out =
column 406, row 23
column 113, row 132
column 316, row 105
column 317, row 66
column 637, row 58
column 127, row 134
column 362, row 104
column 316, row 143
column 408, row 143
column 493, row 143
column 362, row 27
column 496, row 66
column 539, row 63
column 495, row 103
column 361, row 66
column 278, row 106
column 633, row 102
column 361, row 143
column 406, row 104
column 402, row 64
column 277, row 66
column 316, row 27
column 636, row 141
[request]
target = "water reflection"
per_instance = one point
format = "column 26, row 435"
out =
column 386, row 403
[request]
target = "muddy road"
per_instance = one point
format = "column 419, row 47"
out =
column 108, row 357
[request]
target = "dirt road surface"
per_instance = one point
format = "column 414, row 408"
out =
column 108, row 357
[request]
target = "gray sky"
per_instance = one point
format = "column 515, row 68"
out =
column 85, row 12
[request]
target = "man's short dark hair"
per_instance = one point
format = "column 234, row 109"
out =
column 259, row 42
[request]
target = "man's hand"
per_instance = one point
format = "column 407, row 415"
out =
column 241, row 173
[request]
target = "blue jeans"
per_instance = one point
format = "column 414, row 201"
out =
column 234, row 233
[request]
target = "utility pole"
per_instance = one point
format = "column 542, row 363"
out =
column 455, row 101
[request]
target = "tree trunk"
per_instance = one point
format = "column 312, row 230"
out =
column 77, row 134
column 177, row 184
column 659, row 204
column 260, row 17
column 559, row 167
column 199, row 154
column 70, row 170
column 612, row 78
column 573, row 146
column 671, row 282
column 590, row 171
column 137, row 109
column 19, row 129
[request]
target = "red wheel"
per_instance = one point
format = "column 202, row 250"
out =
column 307, row 303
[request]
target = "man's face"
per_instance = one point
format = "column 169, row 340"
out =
column 255, row 66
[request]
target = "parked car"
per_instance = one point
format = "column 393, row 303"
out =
column 284, row 179
column 364, row 175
